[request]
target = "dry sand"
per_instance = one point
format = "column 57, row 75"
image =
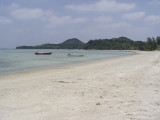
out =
column 125, row 88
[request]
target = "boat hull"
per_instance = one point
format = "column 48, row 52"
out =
column 70, row 55
column 44, row 53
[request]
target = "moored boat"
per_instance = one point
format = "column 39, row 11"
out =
column 75, row 55
column 43, row 53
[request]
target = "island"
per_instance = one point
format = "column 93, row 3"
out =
column 121, row 43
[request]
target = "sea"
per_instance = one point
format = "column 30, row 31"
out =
column 13, row 61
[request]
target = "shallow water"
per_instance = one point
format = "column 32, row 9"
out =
column 20, row 60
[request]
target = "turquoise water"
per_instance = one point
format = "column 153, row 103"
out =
column 18, row 60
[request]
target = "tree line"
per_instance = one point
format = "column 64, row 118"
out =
column 153, row 43
column 121, row 43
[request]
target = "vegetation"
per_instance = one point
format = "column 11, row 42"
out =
column 152, row 43
column 73, row 43
column 121, row 43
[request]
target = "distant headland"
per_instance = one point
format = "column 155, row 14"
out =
column 121, row 43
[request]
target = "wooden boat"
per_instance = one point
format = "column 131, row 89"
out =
column 43, row 53
column 74, row 55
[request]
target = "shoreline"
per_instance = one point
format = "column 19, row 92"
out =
column 70, row 65
column 121, row 88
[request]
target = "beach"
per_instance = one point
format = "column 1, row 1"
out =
column 126, row 88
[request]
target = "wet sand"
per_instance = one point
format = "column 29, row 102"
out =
column 125, row 88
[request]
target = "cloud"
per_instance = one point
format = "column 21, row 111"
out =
column 4, row 20
column 104, row 19
column 30, row 13
column 153, row 19
column 47, row 16
column 117, row 29
column 14, row 5
column 104, row 6
column 27, row 13
column 154, row 2
column 133, row 16
column 119, row 25
column 64, row 20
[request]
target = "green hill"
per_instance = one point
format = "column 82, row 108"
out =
column 121, row 43
column 73, row 43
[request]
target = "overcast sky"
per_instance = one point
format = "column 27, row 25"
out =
column 34, row 22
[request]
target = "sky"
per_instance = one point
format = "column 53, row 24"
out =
column 35, row 22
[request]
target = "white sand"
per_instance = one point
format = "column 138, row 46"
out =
column 126, row 88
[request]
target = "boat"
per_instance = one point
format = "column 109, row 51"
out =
column 75, row 55
column 43, row 53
